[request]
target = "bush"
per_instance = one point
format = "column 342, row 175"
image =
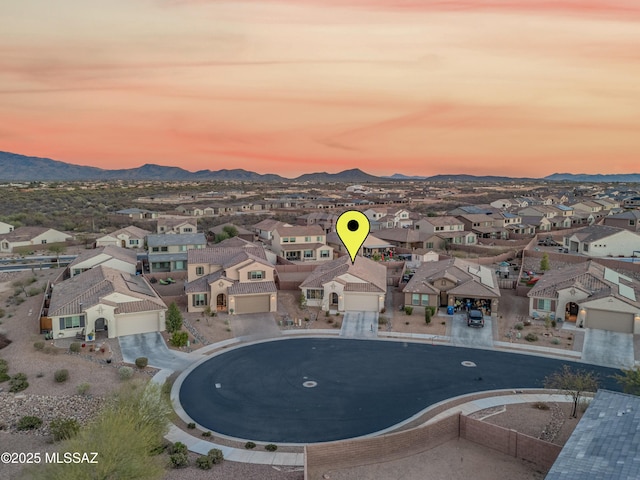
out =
column 141, row 362
column 64, row 428
column 61, row 375
column 2, row 312
column 206, row 434
column 178, row 447
column 553, row 323
column 203, row 462
column 249, row 445
column 216, row 456
column 541, row 405
column 383, row 320
column 4, row 377
column 408, row 310
column 179, row 460
column 4, row 366
column 83, row 388
column 179, row 339
column 531, row 337
column 427, row 315
column 18, row 383
column 38, row 345
column 173, row 321
column 191, row 425
column 34, row 291
column 74, row 347
column 271, row 447
column 125, row 373
column 519, row 326
column 555, row 341
column 29, row 422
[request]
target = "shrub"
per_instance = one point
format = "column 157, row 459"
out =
column 178, row 447
column 83, row 388
column 74, row 347
column 206, row 434
column 141, row 362
column 427, row 315
column 382, row 320
column 203, row 462
column 125, row 373
column 29, row 422
column 4, row 366
column 249, row 445
column 179, row 339
column 173, row 318
column 18, row 382
column 541, row 405
column 519, row 326
column 531, row 337
column 191, row 425
column 38, row 345
column 4, row 377
column 64, row 428
column 179, row 460
column 553, row 323
column 408, row 310
column 443, row 323
column 2, row 312
column 555, row 341
column 61, row 375
column 271, row 447
column 216, row 456
column 34, row 291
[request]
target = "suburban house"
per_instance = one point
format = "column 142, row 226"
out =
column 502, row 203
column 405, row 237
column 326, row 220
column 631, row 202
column 483, row 226
column 589, row 294
column 603, row 241
column 298, row 243
column 455, row 283
column 31, row 237
column 388, row 217
column 176, row 225
column 137, row 214
column 236, row 279
column 539, row 224
column 372, row 245
column 5, row 228
column 265, row 228
column 590, row 206
column 445, row 223
column 243, row 233
column 104, row 299
column 127, row 237
column 168, row 253
column 629, row 220
column 117, row 258
column 340, row 285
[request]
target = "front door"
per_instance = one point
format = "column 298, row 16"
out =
column 99, row 326
column 221, row 302
column 334, row 299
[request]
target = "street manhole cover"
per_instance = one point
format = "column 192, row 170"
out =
column 467, row 363
column 310, row 384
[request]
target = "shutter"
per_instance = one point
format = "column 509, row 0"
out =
column 62, row 323
column 82, row 321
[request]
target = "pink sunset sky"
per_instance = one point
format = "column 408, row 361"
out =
column 420, row 87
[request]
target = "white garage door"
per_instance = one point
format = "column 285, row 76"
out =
column 612, row 321
column 252, row 304
column 360, row 302
column 138, row 323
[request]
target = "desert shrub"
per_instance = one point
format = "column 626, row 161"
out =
column 141, row 362
column 206, row 434
column 382, row 320
column 4, row 377
column 216, row 456
column 191, row 425
column 179, row 460
column 83, row 388
column 541, row 405
column 51, row 350
column 64, row 428
column 408, row 310
column 203, row 462
column 125, row 372
column 18, row 383
column 61, row 375
column 555, row 341
column 249, row 445
column 29, row 422
column 74, row 347
column 531, row 337
column 179, row 339
column 271, row 447
column 2, row 312
column 30, row 280
column 4, row 366
column 19, row 300
column 427, row 315
column 178, row 447
column 553, row 324
column 519, row 326
column 38, row 345
column 34, row 291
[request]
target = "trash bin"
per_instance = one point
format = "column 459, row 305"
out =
column 450, row 310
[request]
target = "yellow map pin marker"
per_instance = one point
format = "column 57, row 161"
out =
column 353, row 228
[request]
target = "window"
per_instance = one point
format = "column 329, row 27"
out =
column 415, row 299
column 183, row 248
column 308, row 254
column 256, row 275
column 134, row 242
column 439, row 229
column 632, row 223
column 43, row 241
column 544, row 304
column 585, row 247
column 285, row 239
column 318, row 239
column 429, row 245
column 179, row 265
column 425, row 300
column 155, row 249
column 199, row 270
column 315, row 294
column 307, row 239
column 443, row 283
column 199, row 299
column 292, row 239
column 187, row 229
column 324, row 253
column 75, row 321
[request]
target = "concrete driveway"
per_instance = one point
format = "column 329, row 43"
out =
column 462, row 335
column 359, row 325
column 254, row 326
column 152, row 346
column 611, row 349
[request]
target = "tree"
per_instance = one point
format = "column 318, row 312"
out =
column 427, row 315
column 230, row 230
column 630, row 381
column 174, row 318
column 544, row 263
column 573, row 383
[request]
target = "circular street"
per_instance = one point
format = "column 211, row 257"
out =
column 309, row 390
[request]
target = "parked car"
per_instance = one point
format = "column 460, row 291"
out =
column 475, row 318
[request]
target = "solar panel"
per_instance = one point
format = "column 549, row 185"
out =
column 138, row 285
column 627, row 292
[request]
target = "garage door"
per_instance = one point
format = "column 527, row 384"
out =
column 612, row 321
column 132, row 324
column 252, row 304
column 360, row 302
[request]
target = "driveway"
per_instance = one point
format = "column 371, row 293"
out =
column 612, row 349
column 254, row 326
column 359, row 325
column 462, row 335
column 152, row 346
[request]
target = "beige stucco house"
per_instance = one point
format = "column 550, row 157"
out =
column 301, row 243
column 31, row 237
column 127, row 237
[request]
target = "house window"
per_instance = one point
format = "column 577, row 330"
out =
column 429, row 245
column 179, row 265
column 415, row 299
column 544, row 304
column 443, row 283
column 632, row 223
column 307, row 239
column 134, row 242
column 256, row 275
column 315, row 294
column 324, row 253
column 75, row 321
column 43, row 241
column 318, row 239
column 585, row 247
column 439, row 229
column 199, row 299
column 199, row 270
column 425, row 300
column 285, row 239
column 308, row 254
column 187, row 230
column 183, row 248
column 155, row 249
column 292, row 239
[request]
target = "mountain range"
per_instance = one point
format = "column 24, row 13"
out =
column 21, row 168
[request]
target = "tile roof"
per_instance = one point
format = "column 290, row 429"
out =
column 221, row 255
column 167, row 239
column 22, row 234
column 201, row 285
column 442, row 221
column 606, row 442
column 131, row 230
column 287, row 247
column 597, row 232
column 363, row 268
column 300, row 230
column 251, row 288
column 269, row 224
column 119, row 253
column 220, row 229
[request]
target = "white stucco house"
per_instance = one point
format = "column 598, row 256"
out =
column 113, row 257
column 5, row 228
column 603, row 241
column 127, row 237
column 31, row 237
